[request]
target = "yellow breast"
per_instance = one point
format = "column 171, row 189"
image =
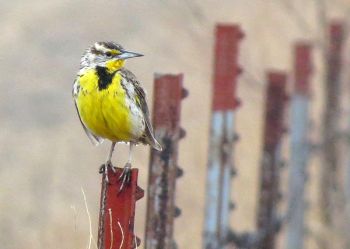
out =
column 105, row 112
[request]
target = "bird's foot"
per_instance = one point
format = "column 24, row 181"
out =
column 125, row 177
column 104, row 169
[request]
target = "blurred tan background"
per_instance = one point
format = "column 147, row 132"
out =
column 45, row 156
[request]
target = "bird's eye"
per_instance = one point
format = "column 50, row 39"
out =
column 109, row 54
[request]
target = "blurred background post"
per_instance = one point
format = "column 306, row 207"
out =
column 46, row 158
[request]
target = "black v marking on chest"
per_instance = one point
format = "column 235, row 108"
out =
column 104, row 77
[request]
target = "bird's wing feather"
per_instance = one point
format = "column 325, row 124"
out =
column 141, row 102
column 95, row 140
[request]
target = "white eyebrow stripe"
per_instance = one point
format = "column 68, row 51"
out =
column 101, row 48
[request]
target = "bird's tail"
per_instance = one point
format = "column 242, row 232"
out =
column 156, row 145
column 150, row 138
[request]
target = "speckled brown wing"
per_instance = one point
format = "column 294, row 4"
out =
column 141, row 102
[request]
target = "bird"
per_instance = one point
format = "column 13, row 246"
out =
column 111, row 103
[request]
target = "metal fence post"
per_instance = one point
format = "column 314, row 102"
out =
column 267, row 219
column 117, row 212
column 163, row 171
column 222, row 136
column 300, row 146
column 329, row 184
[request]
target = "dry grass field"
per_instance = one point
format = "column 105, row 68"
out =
column 45, row 156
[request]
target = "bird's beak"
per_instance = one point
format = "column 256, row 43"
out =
column 126, row 55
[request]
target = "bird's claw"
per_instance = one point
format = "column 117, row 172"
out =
column 104, row 169
column 125, row 177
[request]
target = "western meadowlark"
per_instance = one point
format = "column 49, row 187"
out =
column 111, row 103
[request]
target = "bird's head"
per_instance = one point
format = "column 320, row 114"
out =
column 106, row 54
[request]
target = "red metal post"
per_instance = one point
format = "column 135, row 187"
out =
column 302, row 68
column 299, row 145
column 117, row 212
column 269, row 172
column 226, row 68
column 329, row 183
column 163, row 171
column 222, row 137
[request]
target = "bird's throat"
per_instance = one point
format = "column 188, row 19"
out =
column 114, row 65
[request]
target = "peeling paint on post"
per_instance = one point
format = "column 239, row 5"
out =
column 163, row 171
column 269, row 172
column 300, row 146
column 222, row 137
column 117, row 212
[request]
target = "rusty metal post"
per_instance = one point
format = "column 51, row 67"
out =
column 329, row 184
column 163, row 171
column 347, row 180
column 269, row 172
column 117, row 212
column 300, row 146
column 220, row 163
